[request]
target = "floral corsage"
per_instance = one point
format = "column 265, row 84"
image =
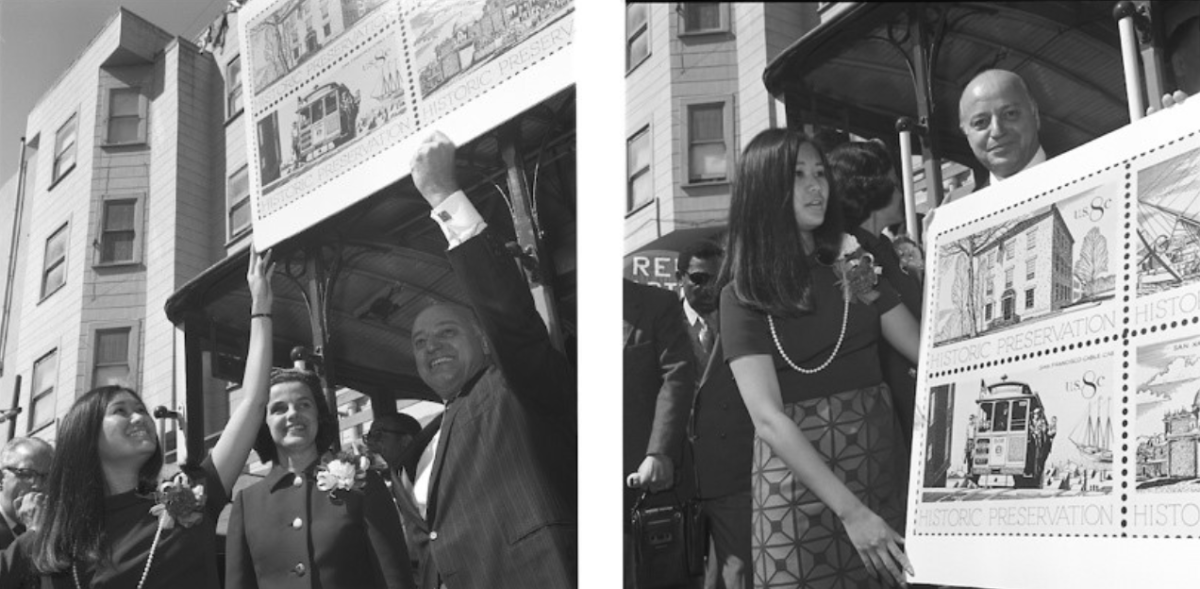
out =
column 856, row 271
column 344, row 474
column 179, row 500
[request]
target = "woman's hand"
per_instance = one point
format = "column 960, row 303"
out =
column 258, row 277
column 878, row 544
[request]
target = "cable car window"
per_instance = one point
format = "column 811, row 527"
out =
column 1020, row 416
column 1000, row 418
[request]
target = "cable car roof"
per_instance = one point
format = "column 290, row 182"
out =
column 392, row 264
column 848, row 72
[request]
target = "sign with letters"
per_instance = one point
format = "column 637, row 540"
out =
column 339, row 93
column 1057, row 436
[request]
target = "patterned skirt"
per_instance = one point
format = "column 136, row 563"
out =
column 796, row 540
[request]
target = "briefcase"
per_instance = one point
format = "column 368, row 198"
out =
column 668, row 543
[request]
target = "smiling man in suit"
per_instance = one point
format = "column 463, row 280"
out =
column 502, row 491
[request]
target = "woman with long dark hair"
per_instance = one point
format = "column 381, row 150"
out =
column 313, row 515
column 801, row 315
column 869, row 188
column 104, row 524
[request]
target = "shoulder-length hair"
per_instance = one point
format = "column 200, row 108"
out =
column 72, row 529
column 862, row 171
column 766, row 262
column 327, row 427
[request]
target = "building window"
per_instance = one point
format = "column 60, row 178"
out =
column 113, row 357
column 987, row 312
column 707, row 137
column 64, row 148
column 637, row 34
column 638, row 166
column 233, row 82
column 1031, row 238
column 126, row 116
column 54, row 267
column 120, row 222
column 1008, row 278
column 1030, row 267
column 238, row 202
column 991, row 285
column 1009, row 250
column 704, row 17
column 1029, row 298
column 41, row 400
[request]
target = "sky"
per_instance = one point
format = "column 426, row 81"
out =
column 39, row 39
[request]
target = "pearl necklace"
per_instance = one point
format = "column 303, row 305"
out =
column 149, row 558
column 829, row 360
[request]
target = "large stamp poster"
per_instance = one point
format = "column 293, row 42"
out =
column 340, row 92
column 1058, row 411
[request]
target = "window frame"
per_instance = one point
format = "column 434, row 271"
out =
column 231, row 232
column 631, row 175
column 142, row 116
column 133, row 346
column 57, row 173
column 723, row 20
column 230, row 113
column 138, row 199
column 32, row 424
column 47, row 266
column 1030, row 268
column 727, row 120
column 641, row 29
column 1030, row 297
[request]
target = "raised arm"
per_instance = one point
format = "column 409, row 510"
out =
column 493, row 284
column 233, row 448
column 877, row 543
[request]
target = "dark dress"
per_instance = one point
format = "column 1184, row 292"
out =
column 846, row 412
column 185, row 558
column 285, row 532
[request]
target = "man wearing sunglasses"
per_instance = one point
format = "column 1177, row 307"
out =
column 24, row 463
column 720, row 430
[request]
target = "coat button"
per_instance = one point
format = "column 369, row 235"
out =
column 297, row 480
column 433, row 535
column 722, row 436
column 725, row 406
column 299, row 569
column 297, row 523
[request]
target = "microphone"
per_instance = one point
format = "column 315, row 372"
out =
column 10, row 414
column 161, row 412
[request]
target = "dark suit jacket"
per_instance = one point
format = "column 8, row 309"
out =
column 502, row 508
column 722, row 432
column 659, row 374
column 7, row 535
column 356, row 542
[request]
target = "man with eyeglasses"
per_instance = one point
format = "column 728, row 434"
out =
column 24, row 463
column 400, row 441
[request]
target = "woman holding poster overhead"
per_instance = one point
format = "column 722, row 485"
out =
column 108, row 520
column 315, row 520
column 802, row 310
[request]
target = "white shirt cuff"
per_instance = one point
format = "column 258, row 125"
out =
column 458, row 219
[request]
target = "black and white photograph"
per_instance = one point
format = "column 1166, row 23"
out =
column 525, row 294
